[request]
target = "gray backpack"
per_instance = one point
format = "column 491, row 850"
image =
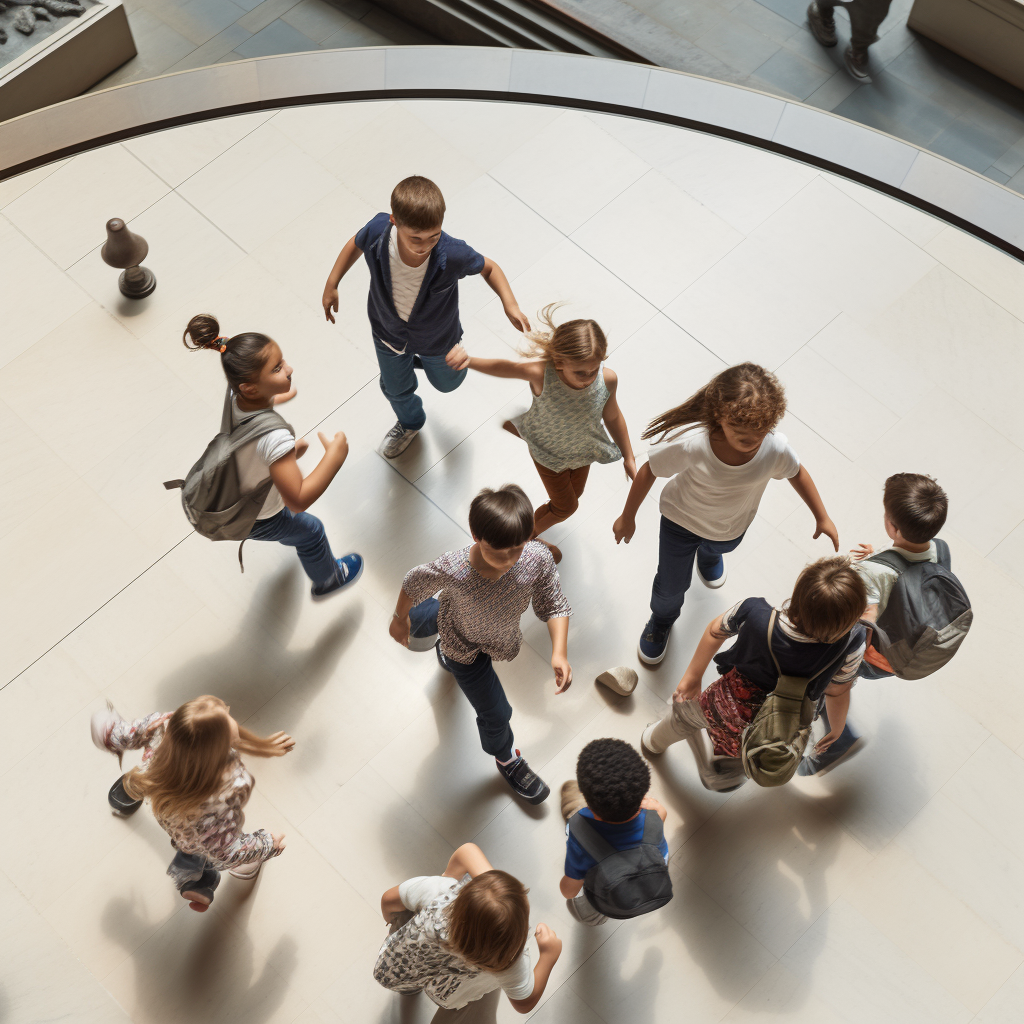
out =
column 773, row 745
column 212, row 494
column 927, row 616
column 624, row 883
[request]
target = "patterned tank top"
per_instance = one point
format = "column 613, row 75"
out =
column 563, row 426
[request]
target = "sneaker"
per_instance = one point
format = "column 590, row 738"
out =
column 120, row 802
column 713, row 582
column 646, row 744
column 620, row 680
column 723, row 774
column 857, row 65
column 572, row 799
column 350, row 568
column 848, row 744
column 526, row 783
column 200, row 893
column 653, row 644
column 822, row 25
column 396, row 440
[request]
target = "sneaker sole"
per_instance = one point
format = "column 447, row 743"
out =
column 646, row 750
column 651, row 661
column 337, row 590
column 855, row 747
column 712, row 584
column 539, row 799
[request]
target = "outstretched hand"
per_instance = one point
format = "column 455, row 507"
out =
column 330, row 302
column 862, row 551
column 624, row 529
column 563, row 672
column 827, row 527
column 457, row 358
column 517, row 318
column 282, row 744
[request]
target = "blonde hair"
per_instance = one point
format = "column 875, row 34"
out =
column 187, row 768
column 746, row 395
column 489, row 920
column 575, row 341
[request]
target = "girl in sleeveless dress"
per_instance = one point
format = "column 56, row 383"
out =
column 574, row 411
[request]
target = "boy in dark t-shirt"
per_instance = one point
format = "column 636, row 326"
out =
column 611, row 791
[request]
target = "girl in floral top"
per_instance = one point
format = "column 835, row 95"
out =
column 198, row 786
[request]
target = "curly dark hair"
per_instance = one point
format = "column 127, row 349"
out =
column 613, row 779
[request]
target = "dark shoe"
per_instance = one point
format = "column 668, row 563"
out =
column 822, row 25
column 715, row 578
column 526, row 783
column 121, row 803
column 857, row 65
column 200, row 893
column 653, row 644
column 350, row 568
column 848, row 744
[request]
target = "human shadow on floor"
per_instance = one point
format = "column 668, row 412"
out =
column 615, row 995
column 256, row 659
column 201, row 968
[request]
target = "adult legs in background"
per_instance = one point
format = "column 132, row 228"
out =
column 564, row 490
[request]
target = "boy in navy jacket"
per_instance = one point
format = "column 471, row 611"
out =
column 413, row 305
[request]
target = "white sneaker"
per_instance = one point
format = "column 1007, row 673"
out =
column 645, row 741
column 396, row 440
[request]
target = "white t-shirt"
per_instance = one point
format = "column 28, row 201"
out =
column 709, row 498
column 254, row 460
column 405, row 280
column 417, row 954
column 879, row 579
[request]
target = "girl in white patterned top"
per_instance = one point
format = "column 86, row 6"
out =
column 198, row 787
column 573, row 403
column 468, row 603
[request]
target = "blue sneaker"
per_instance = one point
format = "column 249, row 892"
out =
column 653, row 643
column 350, row 568
column 715, row 578
column 848, row 744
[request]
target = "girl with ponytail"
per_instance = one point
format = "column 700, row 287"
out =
column 720, row 448
column 195, row 780
column 259, row 378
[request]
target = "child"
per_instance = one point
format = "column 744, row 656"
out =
column 572, row 395
column 413, row 306
column 915, row 510
column 198, row 787
column 484, row 590
column 465, row 936
column 720, row 463
column 259, row 378
column 610, row 791
column 816, row 635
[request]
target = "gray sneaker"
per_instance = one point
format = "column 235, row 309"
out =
column 396, row 440
column 822, row 25
column 857, row 65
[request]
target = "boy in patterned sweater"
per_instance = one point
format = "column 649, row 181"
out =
column 467, row 605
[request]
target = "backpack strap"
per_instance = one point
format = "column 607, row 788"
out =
column 225, row 416
column 942, row 554
column 654, row 829
column 819, row 673
column 170, row 485
column 588, row 837
column 891, row 558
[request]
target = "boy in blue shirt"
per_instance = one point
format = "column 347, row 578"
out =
column 415, row 269
column 611, row 791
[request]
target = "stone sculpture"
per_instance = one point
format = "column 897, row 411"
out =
column 123, row 248
column 22, row 15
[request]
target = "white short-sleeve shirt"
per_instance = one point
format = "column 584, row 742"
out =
column 255, row 458
column 710, row 498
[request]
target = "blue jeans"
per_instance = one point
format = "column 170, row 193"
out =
column 677, row 548
column 398, row 382
column 306, row 534
column 478, row 681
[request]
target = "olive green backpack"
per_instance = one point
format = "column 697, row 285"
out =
column 773, row 744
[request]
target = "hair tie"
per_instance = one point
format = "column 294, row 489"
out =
column 222, row 348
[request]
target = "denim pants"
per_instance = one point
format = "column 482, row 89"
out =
column 398, row 382
column 185, row 868
column 865, row 17
column 306, row 534
column 677, row 548
column 478, row 681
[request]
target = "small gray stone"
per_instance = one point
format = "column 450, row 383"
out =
column 41, row 14
column 25, row 21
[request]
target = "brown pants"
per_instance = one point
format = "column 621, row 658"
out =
column 564, row 490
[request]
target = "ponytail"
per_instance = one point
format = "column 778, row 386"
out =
column 746, row 395
column 241, row 357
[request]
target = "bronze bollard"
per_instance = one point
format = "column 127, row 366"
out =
column 126, row 250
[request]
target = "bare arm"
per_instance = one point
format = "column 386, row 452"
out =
column 391, row 904
column 837, row 706
column 558, row 629
column 625, row 526
column 400, row 625
column 616, row 424
column 570, row 887
column 300, row 492
column 342, row 265
column 498, row 282
column 468, row 859
column 707, row 647
column 533, row 371
column 804, row 486
column 550, row 946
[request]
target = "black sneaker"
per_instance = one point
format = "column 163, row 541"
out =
column 120, row 802
column 822, row 25
column 524, row 780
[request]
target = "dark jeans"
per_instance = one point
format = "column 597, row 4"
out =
column 865, row 17
column 398, row 382
column 677, row 549
column 478, row 681
column 306, row 534
column 186, row 868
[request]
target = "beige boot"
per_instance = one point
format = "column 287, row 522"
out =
column 572, row 799
column 619, row 680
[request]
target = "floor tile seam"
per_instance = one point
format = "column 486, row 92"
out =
column 1014, row 528
column 43, row 253
column 939, row 261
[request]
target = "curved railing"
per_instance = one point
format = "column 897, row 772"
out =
column 929, row 182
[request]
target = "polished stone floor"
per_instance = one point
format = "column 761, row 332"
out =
column 889, row 892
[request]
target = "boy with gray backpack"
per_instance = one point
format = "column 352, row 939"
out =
column 616, row 855
column 920, row 609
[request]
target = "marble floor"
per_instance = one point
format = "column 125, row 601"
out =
column 888, row 892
